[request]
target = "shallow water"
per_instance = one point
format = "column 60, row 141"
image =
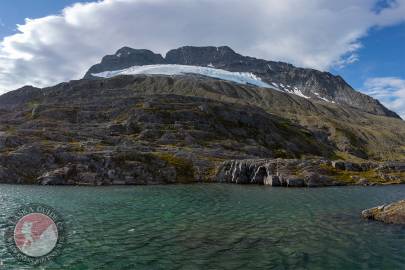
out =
column 216, row 227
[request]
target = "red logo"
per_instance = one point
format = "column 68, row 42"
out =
column 35, row 235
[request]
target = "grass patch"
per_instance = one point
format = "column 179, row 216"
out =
column 351, row 177
column 184, row 167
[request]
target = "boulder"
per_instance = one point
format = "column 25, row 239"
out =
column 168, row 138
column 393, row 213
column 339, row 165
column 363, row 182
column 354, row 167
column 295, row 181
column 61, row 176
column 348, row 166
column 313, row 179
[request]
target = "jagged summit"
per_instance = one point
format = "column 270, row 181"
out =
column 202, row 56
column 124, row 58
column 308, row 83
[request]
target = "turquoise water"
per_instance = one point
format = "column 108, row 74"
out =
column 216, row 227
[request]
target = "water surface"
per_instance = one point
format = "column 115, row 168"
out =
column 216, row 227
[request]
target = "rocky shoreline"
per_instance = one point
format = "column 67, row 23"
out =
column 120, row 167
column 393, row 213
column 309, row 173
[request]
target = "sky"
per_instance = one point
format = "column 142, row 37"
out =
column 44, row 42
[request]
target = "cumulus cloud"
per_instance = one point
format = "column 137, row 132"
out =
column 312, row 33
column 389, row 90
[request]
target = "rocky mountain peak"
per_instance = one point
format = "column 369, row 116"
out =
column 304, row 82
column 124, row 58
column 202, row 56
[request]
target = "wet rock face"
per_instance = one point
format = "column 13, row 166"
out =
column 272, row 180
column 273, row 172
column 297, row 172
column 393, row 213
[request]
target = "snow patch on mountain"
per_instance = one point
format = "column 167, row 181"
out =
column 238, row 77
column 323, row 98
column 289, row 89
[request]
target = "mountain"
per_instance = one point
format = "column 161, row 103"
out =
column 310, row 83
column 163, row 123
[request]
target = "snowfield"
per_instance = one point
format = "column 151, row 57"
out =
column 238, row 77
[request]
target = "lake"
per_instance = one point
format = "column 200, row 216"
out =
column 215, row 226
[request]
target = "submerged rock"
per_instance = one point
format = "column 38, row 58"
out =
column 393, row 213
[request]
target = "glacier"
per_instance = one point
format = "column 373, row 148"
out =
column 238, row 77
column 246, row 78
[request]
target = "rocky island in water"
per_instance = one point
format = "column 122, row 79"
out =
column 200, row 114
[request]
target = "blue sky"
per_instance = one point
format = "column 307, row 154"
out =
column 361, row 40
column 15, row 11
column 382, row 55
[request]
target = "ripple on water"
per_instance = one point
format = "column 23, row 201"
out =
column 217, row 227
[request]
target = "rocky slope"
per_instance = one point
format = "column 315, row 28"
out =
column 311, row 83
column 162, row 129
column 157, row 129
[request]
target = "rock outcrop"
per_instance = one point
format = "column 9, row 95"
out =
column 275, row 172
column 298, row 172
column 393, row 213
column 124, row 58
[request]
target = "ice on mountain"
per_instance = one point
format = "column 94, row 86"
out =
column 238, row 77
column 246, row 78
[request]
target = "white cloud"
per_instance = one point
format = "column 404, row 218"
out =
column 389, row 90
column 310, row 33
